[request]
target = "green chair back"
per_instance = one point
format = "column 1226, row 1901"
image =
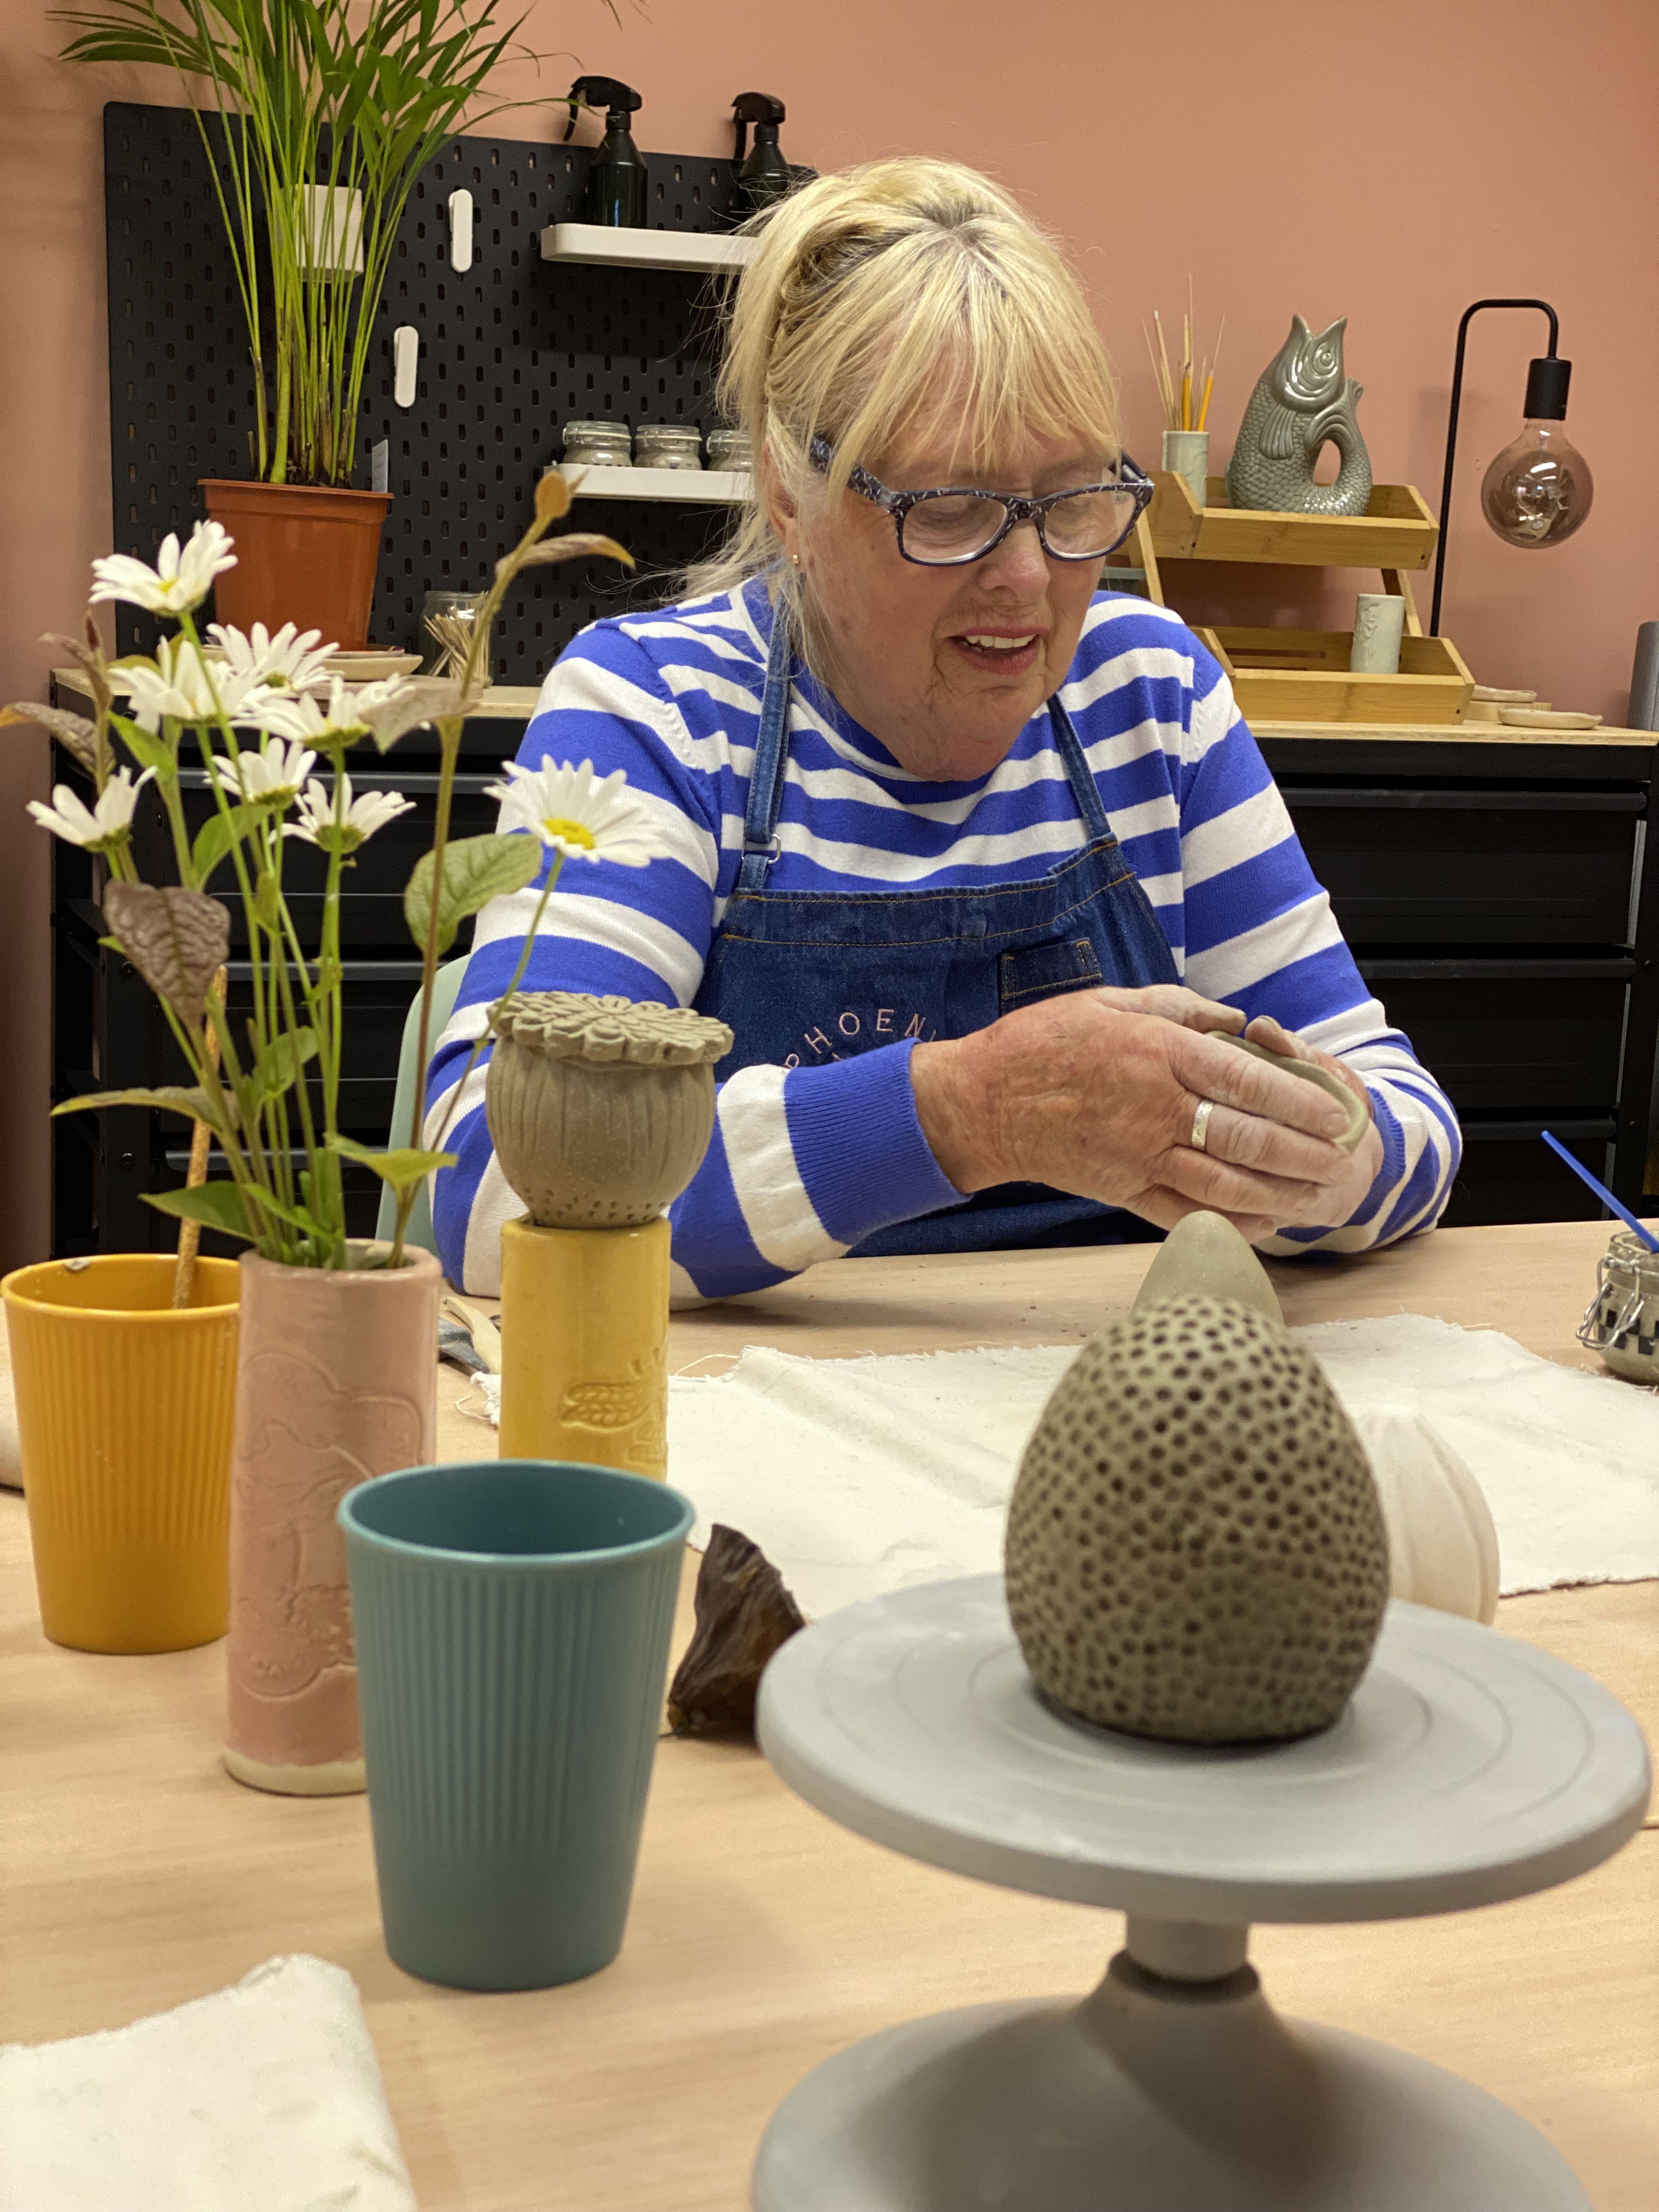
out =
column 405, row 1106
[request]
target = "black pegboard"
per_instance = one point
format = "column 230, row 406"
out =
column 509, row 351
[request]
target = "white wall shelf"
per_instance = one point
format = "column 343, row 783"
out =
column 689, row 487
column 645, row 249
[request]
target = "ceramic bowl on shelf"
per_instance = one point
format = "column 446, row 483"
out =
column 373, row 666
column 1544, row 718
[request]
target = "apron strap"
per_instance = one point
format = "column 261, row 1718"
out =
column 760, row 821
column 1084, row 790
column 766, row 778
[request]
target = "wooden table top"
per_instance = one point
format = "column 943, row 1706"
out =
column 135, row 1876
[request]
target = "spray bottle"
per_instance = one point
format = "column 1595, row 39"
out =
column 616, row 183
column 765, row 177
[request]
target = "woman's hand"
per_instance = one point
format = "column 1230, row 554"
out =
column 1096, row 1092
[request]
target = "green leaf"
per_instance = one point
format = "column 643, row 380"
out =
column 267, row 903
column 276, row 1068
column 170, row 1098
column 215, row 837
column 149, row 752
column 216, row 1204
column 476, row 871
column 401, row 1168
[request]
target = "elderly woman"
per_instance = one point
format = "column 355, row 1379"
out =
column 975, row 860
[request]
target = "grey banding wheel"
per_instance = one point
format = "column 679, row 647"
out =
column 1469, row 1767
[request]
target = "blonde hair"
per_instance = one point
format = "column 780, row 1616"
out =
column 865, row 285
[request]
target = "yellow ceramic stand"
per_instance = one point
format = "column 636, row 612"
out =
column 584, row 1346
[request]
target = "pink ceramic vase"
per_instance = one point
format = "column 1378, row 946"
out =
column 336, row 1381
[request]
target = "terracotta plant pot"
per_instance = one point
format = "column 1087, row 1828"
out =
column 336, row 1381
column 305, row 553
column 123, row 1416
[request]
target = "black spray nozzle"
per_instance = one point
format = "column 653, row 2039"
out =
column 620, row 100
column 764, row 112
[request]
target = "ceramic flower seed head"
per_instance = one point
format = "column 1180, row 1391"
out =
column 600, row 1109
column 178, row 583
column 1195, row 1550
column 574, row 812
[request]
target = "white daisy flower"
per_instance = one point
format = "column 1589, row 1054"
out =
column 271, row 777
column 292, row 661
column 360, row 818
column 177, row 582
column 574, row 812
column 101, row 829
column 340, row 721
column 181, row 683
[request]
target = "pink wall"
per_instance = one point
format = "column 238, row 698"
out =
column 1386, row 163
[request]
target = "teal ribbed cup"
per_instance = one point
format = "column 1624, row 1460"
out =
column 512, row 1620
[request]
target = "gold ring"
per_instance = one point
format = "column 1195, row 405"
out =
column 1199, row 1138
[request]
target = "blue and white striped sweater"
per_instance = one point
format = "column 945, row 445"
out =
column 808, row 1160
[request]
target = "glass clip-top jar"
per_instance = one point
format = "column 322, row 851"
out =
column 668, row 446
column 599, row 445
column 728, row 449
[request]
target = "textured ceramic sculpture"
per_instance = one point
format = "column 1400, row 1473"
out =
column 336, row 1381
column 1205, row 1257
column 600, row 1109
column 1303, row 399
column 1195, row 1550
column 1358, row 1113
column 1443, row 1545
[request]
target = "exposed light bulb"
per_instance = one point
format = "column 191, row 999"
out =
column 1539, row 489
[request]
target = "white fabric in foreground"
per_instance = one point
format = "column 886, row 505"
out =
column 262, row 2098
column 860, row 1476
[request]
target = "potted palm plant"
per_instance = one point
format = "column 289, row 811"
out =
column 335, row 1348
column 316, row 116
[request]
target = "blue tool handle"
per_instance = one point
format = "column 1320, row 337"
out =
column 1643, row 1235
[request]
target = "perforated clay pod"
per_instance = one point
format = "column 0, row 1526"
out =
column 1443, row 1542
column 600, row 1109
column 1196, row 1549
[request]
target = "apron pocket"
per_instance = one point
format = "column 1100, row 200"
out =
column 1045, row 971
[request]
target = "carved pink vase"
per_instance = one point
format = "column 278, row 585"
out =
column 336, row 1381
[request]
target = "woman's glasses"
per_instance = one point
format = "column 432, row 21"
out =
column 941, row 529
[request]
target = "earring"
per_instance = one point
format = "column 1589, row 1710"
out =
column 795, row 557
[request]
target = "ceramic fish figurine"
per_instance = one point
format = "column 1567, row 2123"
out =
column 1301, row 399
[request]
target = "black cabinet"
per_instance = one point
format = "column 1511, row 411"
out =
column 1502, row 898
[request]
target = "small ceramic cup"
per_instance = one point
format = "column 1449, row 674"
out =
column 1186, row 453
column 1622, row 1321
column 513, row 1620
column 1379, row 623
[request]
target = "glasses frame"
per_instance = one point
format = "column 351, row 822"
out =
column 899, row 504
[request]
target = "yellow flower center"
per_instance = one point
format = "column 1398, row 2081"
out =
column 574, row 833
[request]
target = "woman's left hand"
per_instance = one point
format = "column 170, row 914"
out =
column 1347, row 1189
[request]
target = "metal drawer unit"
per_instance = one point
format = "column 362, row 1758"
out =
column 1503, row 901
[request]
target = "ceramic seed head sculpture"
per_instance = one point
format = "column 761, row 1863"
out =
column 600, row 1109
column 1196, row 1549
column 1205, row 1257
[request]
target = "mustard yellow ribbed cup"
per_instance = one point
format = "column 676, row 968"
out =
column 123, row 1419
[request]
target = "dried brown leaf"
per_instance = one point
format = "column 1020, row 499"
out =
column 74, row 731
column 573, row 545
column 178, row 940
column 743, row 1614
column 423, row 699
column 553, row 493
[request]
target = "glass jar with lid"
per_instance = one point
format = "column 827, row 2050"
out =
column 728, row 449
column 668, row 446
column 599, row 445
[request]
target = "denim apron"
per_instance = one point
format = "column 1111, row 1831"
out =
column 806, row 977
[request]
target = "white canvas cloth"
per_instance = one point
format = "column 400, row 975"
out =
column 860, row 1476
column 262, row 2098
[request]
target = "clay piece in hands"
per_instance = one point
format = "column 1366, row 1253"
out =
column 1196, row 1549
column 600, row 1109
column 1358, row 1113
column 1205, row 1257
column 1442, row 1543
